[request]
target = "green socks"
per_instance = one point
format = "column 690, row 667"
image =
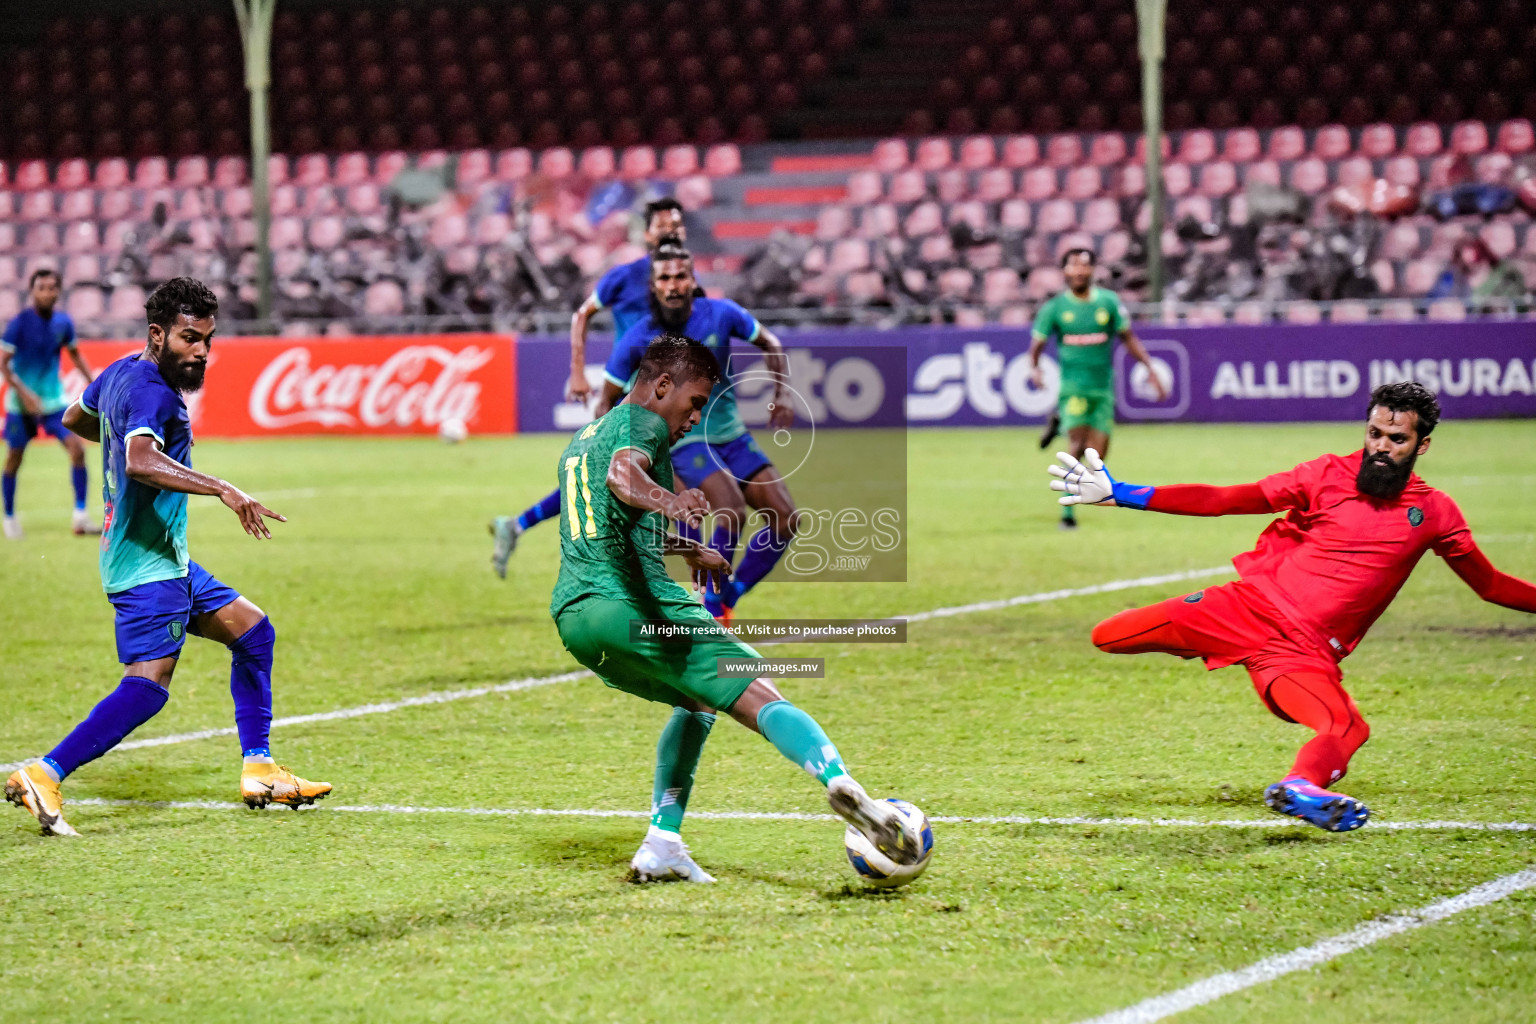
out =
column 677, row 758
column 799, row 738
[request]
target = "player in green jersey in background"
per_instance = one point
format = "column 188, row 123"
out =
column 1086, row 320
column 616, row 499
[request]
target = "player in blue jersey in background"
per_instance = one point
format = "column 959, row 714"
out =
column 135, row 410
column 34, row 395
column 720, row 458
column 625, row 291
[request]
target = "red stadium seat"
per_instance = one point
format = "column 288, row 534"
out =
column 1309, row 176
column 933, row 154
column 864, row 187
column 312, row 169
column 1037, row 184
column 1101, row 216
column 952, row 184
column 1064, row 150
column 1287, row 143
column 557, row 162
column 277, row 169
column 722, row 160
column 1178, row 180
column 7, row 232
column 492, row 229
column 1106, row 148
column 679, row 161
column 1470, row 137
column 1494, row 168
column 1356, row 170
column 994, row 184
column 474, row 168
column 85, row 303
column 351, row 169
column 1021, row 151
column 388, row 164
column 1015, row 215
column 362, row 199
column 235, row 202
column 924, row 219
column 78, row 204
column 637, row 162
column 1197, row 146
column 977, row 152
column 1423, row 139
column 513, row 164
column 283, row 200
column 1131, row 180
column 74, row 173
column 908, row 186
column 1217, row 179
column 890, row 155
column 1516, row 137
column 31, row 174
column 37, row 205
column 81, row 237
column 1378, row 141
column 1083, row 182
column 116, row 203
column 1139, row 154
column 1331, row 142
column 695, row 192
column 598, row 162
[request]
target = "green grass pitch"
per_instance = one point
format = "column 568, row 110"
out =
column 380, row 588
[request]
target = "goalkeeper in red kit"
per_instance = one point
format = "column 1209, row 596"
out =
column 1355, row 527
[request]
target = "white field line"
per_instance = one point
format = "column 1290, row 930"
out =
column 1210, row 989
column 447, row 696
column 944, row 819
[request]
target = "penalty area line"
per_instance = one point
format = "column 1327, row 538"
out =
column 943, row 819
column 1210, row 989
column 534, row 682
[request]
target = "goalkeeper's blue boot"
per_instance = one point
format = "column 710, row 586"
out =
column 1296, row 797
column 722, row 604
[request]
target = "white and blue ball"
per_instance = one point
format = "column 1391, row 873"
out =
column 875, row 867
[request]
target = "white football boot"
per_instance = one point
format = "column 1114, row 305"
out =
column 82, row 525
column 12, row 528
column 663, row 857
column 892, row 833
column 506, row 531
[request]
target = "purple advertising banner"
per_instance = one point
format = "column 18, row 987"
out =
column 978, row 377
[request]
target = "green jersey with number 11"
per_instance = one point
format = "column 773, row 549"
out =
column 608, row 548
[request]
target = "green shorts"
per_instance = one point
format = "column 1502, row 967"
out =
column 1092, row 409
column 596, row 632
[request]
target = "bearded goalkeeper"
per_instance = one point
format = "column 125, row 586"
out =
column 1355, row 527
column 614, row 597
column 1086, row 320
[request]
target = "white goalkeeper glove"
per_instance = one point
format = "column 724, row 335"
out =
column 1085, row 483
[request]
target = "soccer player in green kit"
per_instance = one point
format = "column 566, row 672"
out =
column 616, row 499
column 1086, row 320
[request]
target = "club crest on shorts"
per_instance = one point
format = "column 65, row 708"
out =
column 1415, row 515
column 175, row 629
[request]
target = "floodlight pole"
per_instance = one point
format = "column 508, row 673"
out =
column 1151, row 17
column 255, row 17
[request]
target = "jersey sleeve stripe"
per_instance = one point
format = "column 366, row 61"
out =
column 85, row 406
column 145, row 430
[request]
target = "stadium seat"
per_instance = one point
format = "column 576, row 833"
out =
column 1218, row 179
column 1355, row 170
column 1309, row 176
column 1197, row 146
column 1037, row 183
column 85, row 303
column 277, row 169
column 312, row 169
column 384, row 298
column 1241, row 145
column 287, row 233
column 283, row 200
column 1177, row 180
column 695, row 192
column 1021, row 151
column 111, row 173
column 80, row 268
column 1331, row 142
column 1400, row 242
column 1494, row 168
column 1499, row 236
column 7, row 236
column 1423, row 139
column 388, row 164
column 36, row 206
column 637, row 162
column 1516, row 137
column 951, row 184
column 1084, row 181
column 228, row 172
column 833, row 222
column 992, row 185
column 191, row 171
column 513, row 164
column 908, row 186
column 864, row 187
column 325, row 233
column 557, row 162
column 597, row 163
column 848, row 255
column 1303, row 312
column 30, row 174
column 933, row 154
column 679, row 161
column 978, row 152
column 81, row 236
column 1056, row 215
column 1402, row 170
column 1101, row 216
column 151, row 172
column 10, row 303
column 43, row 238
column 1139, row 153
column 890, row 155
column 1131, row 180
column 1043, row 282
column 74, row 173
column 1064, row 150
column 473, row 168
column 970, row 212
column 1288, row 143
column 722, row 160
column 1015, row 215
column 1106, row 149
column 79, row 204
column 878, row 221
column 1378, row 141
column 492, row 229
column 925, row 219
column 1419, row 276
column 1447, row 310
column 1469, row 137
column 116, row 204
column 235, row 203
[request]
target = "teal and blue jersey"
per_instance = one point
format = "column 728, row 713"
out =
column 714, row 322
column 144, row 532
column 34, row 343
column 625, row 290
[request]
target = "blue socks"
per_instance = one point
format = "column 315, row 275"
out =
column 135, row 701
column 77, row 478
column 763, row 553
column 250, row 683
column 799, row 738
column 8, row 485
column 546, row 509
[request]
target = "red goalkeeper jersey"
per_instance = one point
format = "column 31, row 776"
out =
column 1335, row 562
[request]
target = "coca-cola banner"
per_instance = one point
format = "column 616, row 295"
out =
column 385, row 385
column 980, row 376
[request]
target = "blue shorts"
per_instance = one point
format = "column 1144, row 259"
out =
column 21, row 428
column 153, row 619
column 740, row 457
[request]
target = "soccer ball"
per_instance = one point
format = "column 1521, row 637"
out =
column 453, row 431
column 875, row 867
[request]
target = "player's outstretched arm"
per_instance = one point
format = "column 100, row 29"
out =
column 577, row 389
column 148, row 465
column 1088, row 483
column 783, row 415
column 85, row 424
column 1492, row 585
column 630, row 481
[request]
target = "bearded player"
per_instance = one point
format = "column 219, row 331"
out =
column 626, row 291
column 616, row 498
column 136, row 411
column 1086, row 320
column 1356, row 525
column 725, row 461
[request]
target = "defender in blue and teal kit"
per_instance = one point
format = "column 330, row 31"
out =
column 136, row 411
column 624, row 290
column 725, row 462
column 34, row 396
